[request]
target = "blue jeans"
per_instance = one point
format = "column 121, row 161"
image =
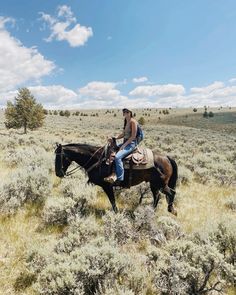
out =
column 120, row 155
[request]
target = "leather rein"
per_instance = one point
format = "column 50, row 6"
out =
column 72, row 171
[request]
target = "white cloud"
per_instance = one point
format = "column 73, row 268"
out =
column 61, row 30
column 208, row 89
column 158, row 90
column 54, row 95
column 172, row 95
column 213, row 95
column 100, row 94
column 19, row 64
column 140, row 80
column 101, row 91
column 233, row 80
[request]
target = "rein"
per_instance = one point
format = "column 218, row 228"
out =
column 84, row 166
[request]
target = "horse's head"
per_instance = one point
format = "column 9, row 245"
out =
column 62, row 162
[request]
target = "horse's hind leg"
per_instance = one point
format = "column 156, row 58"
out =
column 156, row 195
column 170, row 201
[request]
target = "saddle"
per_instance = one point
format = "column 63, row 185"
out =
column 140, row 158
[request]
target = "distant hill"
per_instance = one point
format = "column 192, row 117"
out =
column 222, row 121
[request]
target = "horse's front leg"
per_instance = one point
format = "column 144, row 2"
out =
column 108, row 189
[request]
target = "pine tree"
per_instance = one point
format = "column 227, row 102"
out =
column 24, row 112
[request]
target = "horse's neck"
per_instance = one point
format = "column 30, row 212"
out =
column 81, row 155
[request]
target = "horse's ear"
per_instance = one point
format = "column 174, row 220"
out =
column 57, row 145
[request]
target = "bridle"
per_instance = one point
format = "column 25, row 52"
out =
column 72, row 171
column 61, row 154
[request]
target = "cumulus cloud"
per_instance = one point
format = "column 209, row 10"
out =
column 104, row 92
column 158, row 90
column 54, row 96
column 174, row 95
column 19, row 64
column 208, row 89
column 61, row 30
column 215, row 94
column 140, row 80
column 233, row 80
column 100, row 94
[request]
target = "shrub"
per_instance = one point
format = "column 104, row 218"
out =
column 230, row 203
column 89, row 267
column 114, row 289
column 185, row 175
column 205, row 114
column 82, row 194
column 117, row 227
column 34, row 156
column 57, row 211
column 224, row 239
column 144, row 222
column 211, row 114
column 67, row 113
column 141, row 121
column 80, row 232
column 169, row 227
column 24, row 185
column 187, row 268
column 75, row 199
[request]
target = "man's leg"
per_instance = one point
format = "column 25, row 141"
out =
column 118, row 160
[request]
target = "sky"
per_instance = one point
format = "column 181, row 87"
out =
column 94, row 54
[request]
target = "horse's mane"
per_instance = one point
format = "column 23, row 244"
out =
column 82, row 147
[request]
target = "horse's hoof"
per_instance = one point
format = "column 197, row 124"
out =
column 174, row 211
column 115, row 210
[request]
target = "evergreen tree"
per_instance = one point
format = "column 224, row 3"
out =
column 24, row 112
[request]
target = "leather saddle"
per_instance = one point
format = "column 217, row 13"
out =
column 138, row 157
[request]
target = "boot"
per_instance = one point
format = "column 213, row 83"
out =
column 111, row 179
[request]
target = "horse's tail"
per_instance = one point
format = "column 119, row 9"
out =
column 174, row 176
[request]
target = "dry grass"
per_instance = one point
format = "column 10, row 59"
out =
column 17, row 234
column 201, row 207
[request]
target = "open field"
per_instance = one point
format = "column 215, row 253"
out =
column 58, row 236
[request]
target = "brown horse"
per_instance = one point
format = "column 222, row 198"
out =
column 93, row 160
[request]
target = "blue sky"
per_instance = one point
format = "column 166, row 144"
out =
column 110, row 53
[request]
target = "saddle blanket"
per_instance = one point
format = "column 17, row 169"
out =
column 141, row 158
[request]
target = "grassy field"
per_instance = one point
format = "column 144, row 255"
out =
column 223, row 121
column 46, row 219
